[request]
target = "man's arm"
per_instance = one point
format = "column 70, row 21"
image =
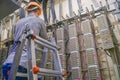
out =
column 43, row 32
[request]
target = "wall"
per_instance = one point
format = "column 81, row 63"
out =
column 105, row 60
column 84, row 3
column 107, row 67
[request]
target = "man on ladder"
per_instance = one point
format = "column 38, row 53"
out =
column 36, row 24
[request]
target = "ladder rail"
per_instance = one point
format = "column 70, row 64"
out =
column 31, row 59
column 16, row 61
column 56, row 59
column 57, row 72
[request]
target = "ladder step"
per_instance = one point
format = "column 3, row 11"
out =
column 46, row 42
column 21, row 74
column 46, row 45
column 47, row 71
column 43, row 72
column 39, row 49
column 47, row 74
column 39, row 75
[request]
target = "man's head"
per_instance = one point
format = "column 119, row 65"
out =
column 35, row 8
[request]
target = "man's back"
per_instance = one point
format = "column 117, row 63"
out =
column 35, row 24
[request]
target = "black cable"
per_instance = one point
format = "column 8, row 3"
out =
column 67, row 53
column 21, row 13
column 44, row 7
column 53, row 10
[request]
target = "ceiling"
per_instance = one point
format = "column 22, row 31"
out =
column 7, row 7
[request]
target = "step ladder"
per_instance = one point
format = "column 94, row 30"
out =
column 34, row 72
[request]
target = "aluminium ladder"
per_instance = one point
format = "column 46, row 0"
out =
column 32, row 75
